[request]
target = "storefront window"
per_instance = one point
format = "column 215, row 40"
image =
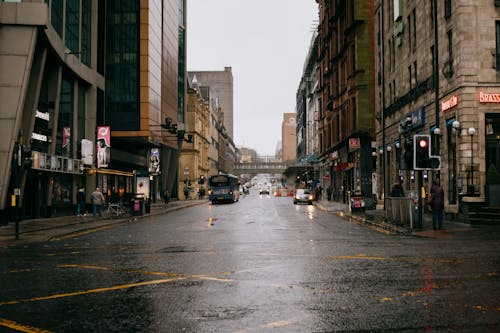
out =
column 64, row 145
column 62, row 189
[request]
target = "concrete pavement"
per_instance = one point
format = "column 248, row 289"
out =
column 375, row 218
column 46, row 229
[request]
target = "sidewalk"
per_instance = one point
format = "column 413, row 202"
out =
column 44, row 229
column 375, row 218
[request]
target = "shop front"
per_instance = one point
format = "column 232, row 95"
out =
column 51, row 185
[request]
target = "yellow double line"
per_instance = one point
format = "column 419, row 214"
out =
column 174, row 277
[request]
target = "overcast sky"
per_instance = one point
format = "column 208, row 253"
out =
column 266, row 43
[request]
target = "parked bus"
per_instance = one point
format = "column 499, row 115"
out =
column 223, row 188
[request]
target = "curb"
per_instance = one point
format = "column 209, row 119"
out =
column 84, row 225
column 378, row 225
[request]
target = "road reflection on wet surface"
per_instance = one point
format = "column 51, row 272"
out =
column 259, row 265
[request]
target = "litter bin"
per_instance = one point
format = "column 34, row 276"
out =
column 138, row 205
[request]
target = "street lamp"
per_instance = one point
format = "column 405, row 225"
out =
column 471, row 131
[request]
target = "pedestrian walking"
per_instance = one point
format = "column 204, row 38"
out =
column 437, row 204
column 329, row 192
column 80, row 202
column 166, row 196
column 98, row 201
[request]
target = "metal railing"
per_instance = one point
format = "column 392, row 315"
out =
column 401, row 211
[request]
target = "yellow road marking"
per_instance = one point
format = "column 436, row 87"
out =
column 361, row 256
column 21, row 328
column 92, row 291
column 176, row 277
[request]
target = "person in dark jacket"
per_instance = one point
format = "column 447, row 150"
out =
column 437, row 204
column 397, row 190
column 80, row 202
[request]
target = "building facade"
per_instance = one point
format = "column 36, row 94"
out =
column 66, row 124
column 194, row 163
column 50, row 86
column 146, row 88
column 437, row 74
column 346, row 127
column 216, row 87
column 221, row 83
column 307, row 108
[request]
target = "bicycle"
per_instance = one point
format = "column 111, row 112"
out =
column 116, row 210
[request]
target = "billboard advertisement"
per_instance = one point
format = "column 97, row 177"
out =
column 154, row 161
column 103, row 146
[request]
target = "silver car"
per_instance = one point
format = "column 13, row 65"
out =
column 304, row 196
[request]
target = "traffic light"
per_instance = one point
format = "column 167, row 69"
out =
column 407, row 153
column 422, row 159
column 27, row 161
column 201, row 181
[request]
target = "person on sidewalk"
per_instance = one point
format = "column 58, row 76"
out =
column 166, row 196
column 397, row 190
column 329, row 192
column 437, row 204
column 80, row 202
column 98, row 200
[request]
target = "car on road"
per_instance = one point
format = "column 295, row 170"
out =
column 303, row 196
column 264, row 191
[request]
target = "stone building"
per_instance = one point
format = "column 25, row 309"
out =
column 346, row 127
column 437, row 68
column 194, row 162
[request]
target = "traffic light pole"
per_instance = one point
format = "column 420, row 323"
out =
column 420, row 200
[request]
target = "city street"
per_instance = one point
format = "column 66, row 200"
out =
column 259, row 265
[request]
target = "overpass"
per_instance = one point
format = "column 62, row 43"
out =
column 259, row 167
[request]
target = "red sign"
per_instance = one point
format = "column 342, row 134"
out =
column 489, row 98
column 446, row 105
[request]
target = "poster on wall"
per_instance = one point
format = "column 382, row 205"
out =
column 154, row 161
column 87, row 152
column 103, row 146
column 66, row 135
column 143, row 186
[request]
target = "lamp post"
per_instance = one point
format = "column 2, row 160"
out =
column 471, row 131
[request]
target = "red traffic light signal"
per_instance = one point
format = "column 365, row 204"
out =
column 422, row 158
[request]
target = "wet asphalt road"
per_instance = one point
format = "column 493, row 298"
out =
column 259, row 265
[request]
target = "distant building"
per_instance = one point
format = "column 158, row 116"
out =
column 247, row 155
column 221, row 83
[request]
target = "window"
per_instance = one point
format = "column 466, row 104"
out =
column 450, row 44
column 408, row 20
column 86, row 31
column 410, row 78
column 64, row 146
column 414, row 31
column 415, row 77
column 72, row 25
column 447, row 9
column 497, row 54
column 122, row 65
column 56, row 15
